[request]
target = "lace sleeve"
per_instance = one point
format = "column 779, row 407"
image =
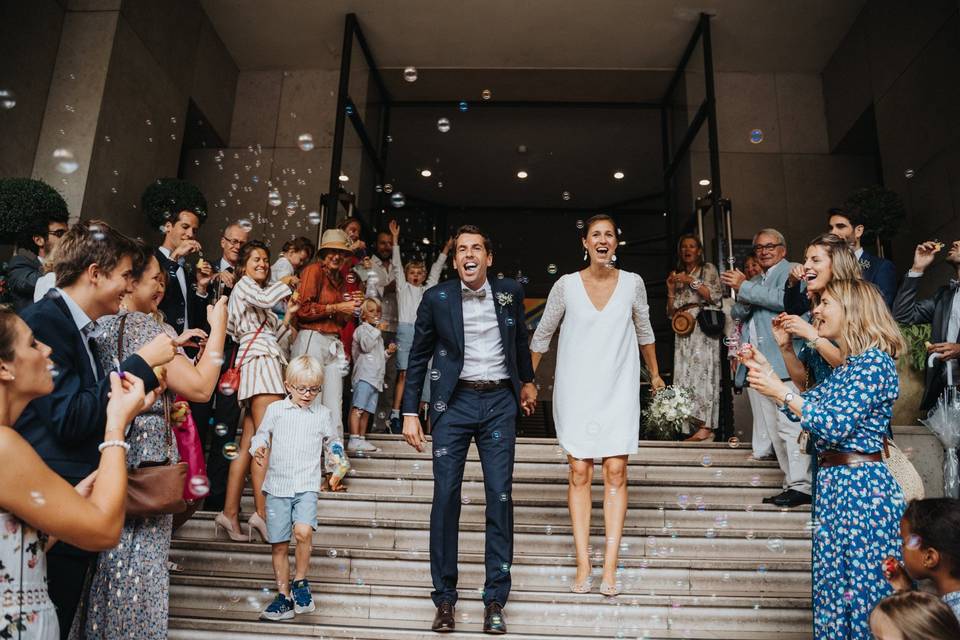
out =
column 550, row 320
column 641, row 314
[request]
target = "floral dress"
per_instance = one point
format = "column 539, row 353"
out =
column 696, row 357
column 26, row 612
column 858, row 508
column 128, row 594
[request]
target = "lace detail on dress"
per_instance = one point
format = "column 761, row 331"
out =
column 552, row 315
column 641, row 313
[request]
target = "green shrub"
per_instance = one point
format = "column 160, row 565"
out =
column 917, row 336
column 23, row 202
column 167, row 197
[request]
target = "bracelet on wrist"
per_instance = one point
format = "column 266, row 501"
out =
column 113, row 443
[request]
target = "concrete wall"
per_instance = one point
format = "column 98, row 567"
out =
column 901, row 59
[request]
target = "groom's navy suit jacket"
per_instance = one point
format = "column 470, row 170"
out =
column 438, row 334
column 882, row 274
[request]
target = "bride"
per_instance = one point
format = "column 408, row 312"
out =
column 596, row 391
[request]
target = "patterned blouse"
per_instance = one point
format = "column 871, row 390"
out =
column 251, row 306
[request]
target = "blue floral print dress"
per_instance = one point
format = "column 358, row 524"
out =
column 858, row 508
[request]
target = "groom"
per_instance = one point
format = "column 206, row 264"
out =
column 476, row 334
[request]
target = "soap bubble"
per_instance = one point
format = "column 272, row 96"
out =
column 305, row 142
column 443, row 353
column 291, row 207
column 434, row 374
column 245, row 224
column 504, row 497
column 226, row 388
column 496, row 435
column 706, row 460
column 332, row 553
column 199, row 485
column 711, row 533
column 410, row 74
column 465, row 500
column 566, row 195
column 388, row 188
column 313, row 217
column 579, row 224
column 443, row 125
column 909, row 173
column 552, row 269
column 733, row 442
column 273, row 198
column 486, row 94
column 440, row 406
column 439, row 453
column 463, row 106
column 7, row 99
column 231, row 451
column 398, row 200
column 755, row 481
column 775, row 545
column 64, row 161
column 505, row 567
column 756, row 136
column 220, row 429
column 914, row 542
column 683, row 500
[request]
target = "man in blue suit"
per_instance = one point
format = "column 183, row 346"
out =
column 185, row 299
column 474, row 329
column 849, row 225
column 94, row 266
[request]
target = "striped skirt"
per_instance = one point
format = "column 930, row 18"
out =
column 260, row 375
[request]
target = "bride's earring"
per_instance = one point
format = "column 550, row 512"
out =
column 585, row 256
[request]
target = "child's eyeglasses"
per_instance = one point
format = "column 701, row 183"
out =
column 306, row 390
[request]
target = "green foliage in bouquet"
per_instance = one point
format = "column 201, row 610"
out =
column 917, row 336
column 165, row 198
column 667, row 413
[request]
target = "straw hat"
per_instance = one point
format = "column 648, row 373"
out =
column 335, row 239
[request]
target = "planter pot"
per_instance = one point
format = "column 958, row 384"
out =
column 906, row 410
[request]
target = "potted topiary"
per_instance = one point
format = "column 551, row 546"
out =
column 165, row 198
column 22, row 201
column 883, row 210
column 911, row 368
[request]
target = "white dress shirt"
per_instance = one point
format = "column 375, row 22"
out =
column 483, row 354
column 85, row 325
column 182, row 280
column 296, row 437
column 409, row 296
column 384, row 277
column 44, row 283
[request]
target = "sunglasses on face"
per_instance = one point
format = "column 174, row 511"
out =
column 306, row 390
column 759, row 248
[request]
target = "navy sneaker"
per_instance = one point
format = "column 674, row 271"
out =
column 396, row 426
column 302, row 598
column 280, row 609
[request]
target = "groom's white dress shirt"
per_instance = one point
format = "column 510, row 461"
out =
column 483, row 354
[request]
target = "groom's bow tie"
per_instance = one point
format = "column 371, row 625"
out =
column 479, row 294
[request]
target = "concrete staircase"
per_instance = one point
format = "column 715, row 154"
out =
column 701, row 556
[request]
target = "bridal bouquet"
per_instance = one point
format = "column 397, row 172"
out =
column 668, row 412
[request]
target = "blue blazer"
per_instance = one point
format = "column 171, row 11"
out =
column 881, row 273
column 174, row 303
column 66, row 426
column 438, row 334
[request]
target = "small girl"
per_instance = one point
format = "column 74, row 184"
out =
column 914, row 615
column 410, row 288
column 294, row 255
column 298, row 431
column 369, row 366
column 931, row 549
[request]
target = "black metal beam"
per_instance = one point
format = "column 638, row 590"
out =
column 713, row 138
column 343, row 90
column 682, row 66
column 361, row 132
column 540, row 104
column 642, row 198
column 371, row 63
column 688, row 138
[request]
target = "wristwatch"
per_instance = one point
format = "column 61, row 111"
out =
column 787, row 399
column 696, row 284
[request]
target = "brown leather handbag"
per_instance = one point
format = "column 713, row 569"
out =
column 154, row 488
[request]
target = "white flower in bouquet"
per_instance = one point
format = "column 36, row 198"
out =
column 669, row 410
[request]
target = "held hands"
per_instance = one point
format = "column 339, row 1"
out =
column 947, row 350
column 260, row 455
column 924, row 255
column 528, row 398
column 158, row 351
column 733, row 278
column 413, row 432
column 126, row 401
column 895, row 574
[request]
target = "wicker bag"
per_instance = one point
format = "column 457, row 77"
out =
column 902, row 471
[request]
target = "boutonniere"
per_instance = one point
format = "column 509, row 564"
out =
column 504, row 299
column 864, row 264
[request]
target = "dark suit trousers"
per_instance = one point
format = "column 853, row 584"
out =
column 490, row 418
column 67, row 569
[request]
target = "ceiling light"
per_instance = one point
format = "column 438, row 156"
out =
column 426, row 173
column 618, row 175
column 522, row 175
column 704, row 182
column 344, row 178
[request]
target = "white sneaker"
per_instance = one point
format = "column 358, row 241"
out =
column 362, row 445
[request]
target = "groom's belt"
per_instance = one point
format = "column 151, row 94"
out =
column 484, row 385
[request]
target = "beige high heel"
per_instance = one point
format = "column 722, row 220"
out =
column 223, row 522
column 609, row 590
column 256, row 522
column 582, row 587
column 708, row 438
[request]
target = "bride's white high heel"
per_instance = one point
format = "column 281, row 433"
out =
column 582, row 587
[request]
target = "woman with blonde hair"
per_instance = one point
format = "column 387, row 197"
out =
column 913, row 615
column 847, row 416
column 696, row 356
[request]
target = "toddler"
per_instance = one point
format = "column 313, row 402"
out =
column 410, row 288
column 296, row 430
column 913, row 615
column 369, row 366
column 931, row 549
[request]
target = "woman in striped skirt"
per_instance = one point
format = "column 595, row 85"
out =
column 260, row 337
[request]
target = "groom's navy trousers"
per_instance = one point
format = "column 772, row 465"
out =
column 489, row 418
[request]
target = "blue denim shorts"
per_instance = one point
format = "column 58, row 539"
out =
column 365, row 396
column 404, row 345
column 283, row 513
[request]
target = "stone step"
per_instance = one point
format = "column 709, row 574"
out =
column 329, row 626
column 635, row 615
column 719, row 544
column 530, row 573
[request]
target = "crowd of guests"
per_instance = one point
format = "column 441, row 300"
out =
column 110, row 335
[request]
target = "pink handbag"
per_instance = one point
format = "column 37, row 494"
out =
column 190, row 448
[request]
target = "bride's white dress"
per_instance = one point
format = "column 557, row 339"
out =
column 596, row 390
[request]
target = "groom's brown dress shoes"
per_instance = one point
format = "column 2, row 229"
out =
column 445, row 620
column 493, row 620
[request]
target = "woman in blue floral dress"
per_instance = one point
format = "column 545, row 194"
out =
column 847, row 416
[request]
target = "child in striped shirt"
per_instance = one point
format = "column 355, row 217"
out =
column 297, row 430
